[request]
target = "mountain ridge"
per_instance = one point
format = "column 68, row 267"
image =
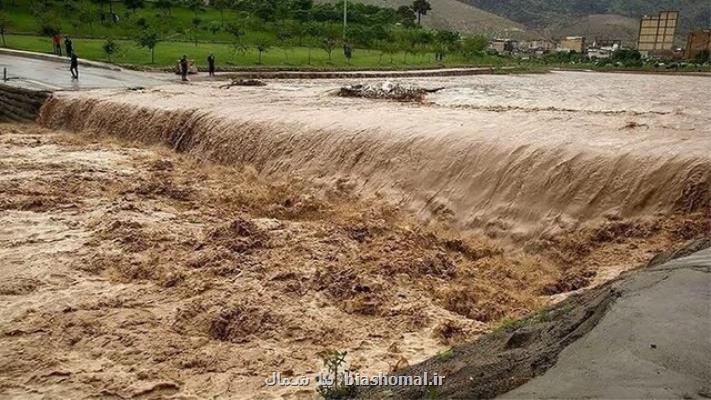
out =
column 546, row 15
column 458, row 16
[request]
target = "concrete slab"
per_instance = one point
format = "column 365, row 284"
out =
column 654, row 342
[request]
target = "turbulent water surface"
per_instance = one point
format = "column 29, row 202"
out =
column 517, row 154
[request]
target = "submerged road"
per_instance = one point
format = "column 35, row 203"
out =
column 32, row 73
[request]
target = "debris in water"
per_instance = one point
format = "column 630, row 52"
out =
column 634, row 125
column 386, row 90
column 244, row 82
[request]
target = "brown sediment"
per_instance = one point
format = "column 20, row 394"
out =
column 205, row 279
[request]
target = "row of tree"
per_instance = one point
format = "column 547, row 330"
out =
column 264, row 24
column 328, row 39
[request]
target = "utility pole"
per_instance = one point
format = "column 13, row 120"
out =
column 345, row 18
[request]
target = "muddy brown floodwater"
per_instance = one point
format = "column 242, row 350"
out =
column 188, row 241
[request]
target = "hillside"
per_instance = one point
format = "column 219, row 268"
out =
column 458, row 16
column 599, row 26
column 550, row 15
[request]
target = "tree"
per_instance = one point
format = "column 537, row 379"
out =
column 237, row 34
column 330, row 40
column 164, row 5
column 404, row 38
column 148, row 38
column 262, row 45
column 406, row 16
column 328, row 44
column 110, row 48
column 445, row 41
column 287, row 36
column 88, row 14
column 387, row 46
column 195, row 6
column 301, row 9
column 221, row 6
column 133, row 5
column 4, row 25
column 49, row 24
column 265, row 10
column 196, row 23
column 626, row 57
column 421, row 7
column 701, row 57
column 474, row 45
column 312, row 30
column 422, row 41
column 214, row 27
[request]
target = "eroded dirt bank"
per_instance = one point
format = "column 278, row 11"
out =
column 137, row 272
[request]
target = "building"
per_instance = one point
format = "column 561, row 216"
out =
column 572, row 43
column 502, row 46
column 611, row 44
column 544, row 45
column 599, row 53
column 697, row 42
column 656, row 34
column 603, row 48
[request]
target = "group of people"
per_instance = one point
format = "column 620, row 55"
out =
column 69, row 47
column 74, row 61
column 185, row 66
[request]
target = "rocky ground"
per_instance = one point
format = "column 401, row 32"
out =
column 136, row 272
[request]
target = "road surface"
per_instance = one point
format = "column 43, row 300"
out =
column 34, row 73
column 654, row 342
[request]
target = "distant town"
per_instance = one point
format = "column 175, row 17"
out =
column 655, row 42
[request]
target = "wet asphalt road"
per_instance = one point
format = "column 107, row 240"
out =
column 52, row 75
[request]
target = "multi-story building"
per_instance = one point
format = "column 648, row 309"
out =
column 545, row 45
column 698, row 42
column 603, row 48
column 503, row 46
column 656, row 34
column 572, row 43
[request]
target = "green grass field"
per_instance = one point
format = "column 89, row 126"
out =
column 178, row 37
column 167, row 52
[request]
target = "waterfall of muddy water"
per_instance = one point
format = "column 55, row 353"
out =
column 515, row 156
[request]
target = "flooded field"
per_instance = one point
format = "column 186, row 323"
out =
column 189, row 240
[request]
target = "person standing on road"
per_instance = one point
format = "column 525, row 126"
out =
column 57, row 44
column 184, row 66
column 74, row 66
column 69, row 46
column 211, row 64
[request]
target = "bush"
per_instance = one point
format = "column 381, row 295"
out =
column 627, row 58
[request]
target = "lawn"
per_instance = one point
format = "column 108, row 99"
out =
column 178, row 38
column 167, row 52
